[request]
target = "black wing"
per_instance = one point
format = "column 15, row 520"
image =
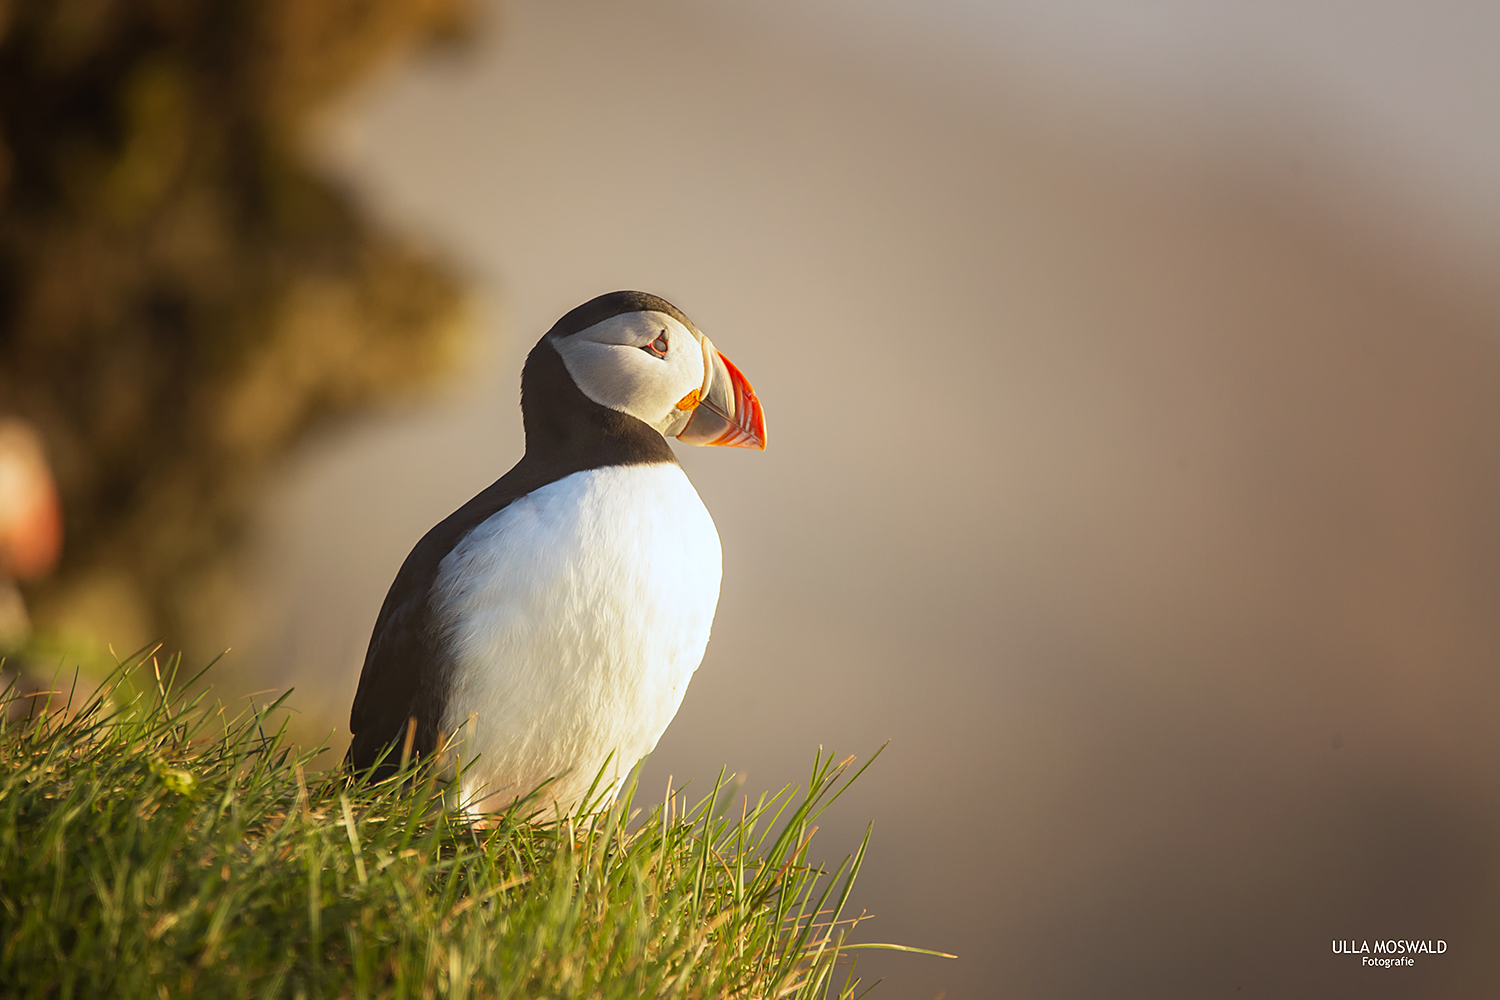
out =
column 406, row 671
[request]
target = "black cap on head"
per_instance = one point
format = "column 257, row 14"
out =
column 612, row 304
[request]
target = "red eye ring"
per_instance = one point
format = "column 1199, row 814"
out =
column 658, row 346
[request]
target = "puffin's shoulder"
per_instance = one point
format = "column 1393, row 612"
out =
column 405, row 669
column 402, row 676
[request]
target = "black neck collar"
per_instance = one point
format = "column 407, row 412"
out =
column 566, row 429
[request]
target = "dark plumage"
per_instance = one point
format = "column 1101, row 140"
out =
column 407, row 667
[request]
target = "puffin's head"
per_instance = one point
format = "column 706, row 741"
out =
column 638, row 354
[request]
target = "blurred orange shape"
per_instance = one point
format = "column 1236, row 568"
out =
column 30, row 513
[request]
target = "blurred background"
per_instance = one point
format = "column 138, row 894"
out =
column 1131, row 373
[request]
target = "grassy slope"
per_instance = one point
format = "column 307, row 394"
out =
column 152, row 846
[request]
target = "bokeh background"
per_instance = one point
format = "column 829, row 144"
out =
column 1131, row 373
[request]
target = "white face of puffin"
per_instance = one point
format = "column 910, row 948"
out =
column 651, row 366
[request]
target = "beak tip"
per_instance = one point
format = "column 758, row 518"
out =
column 758, row 426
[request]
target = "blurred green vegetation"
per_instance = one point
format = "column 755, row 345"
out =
column 182, row 295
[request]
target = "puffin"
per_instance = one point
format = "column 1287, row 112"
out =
column 540, row 638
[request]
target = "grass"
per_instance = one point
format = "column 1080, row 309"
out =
column 153, row 844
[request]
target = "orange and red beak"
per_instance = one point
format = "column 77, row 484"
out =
column 726, row 411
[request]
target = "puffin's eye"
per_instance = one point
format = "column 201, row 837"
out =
column 658, row 346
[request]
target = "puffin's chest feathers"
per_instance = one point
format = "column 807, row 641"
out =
column 574, row 619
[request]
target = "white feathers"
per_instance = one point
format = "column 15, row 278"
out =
column 608, row 364
column 577, row 615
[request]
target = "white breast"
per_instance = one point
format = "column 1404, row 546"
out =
column 577, row 616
